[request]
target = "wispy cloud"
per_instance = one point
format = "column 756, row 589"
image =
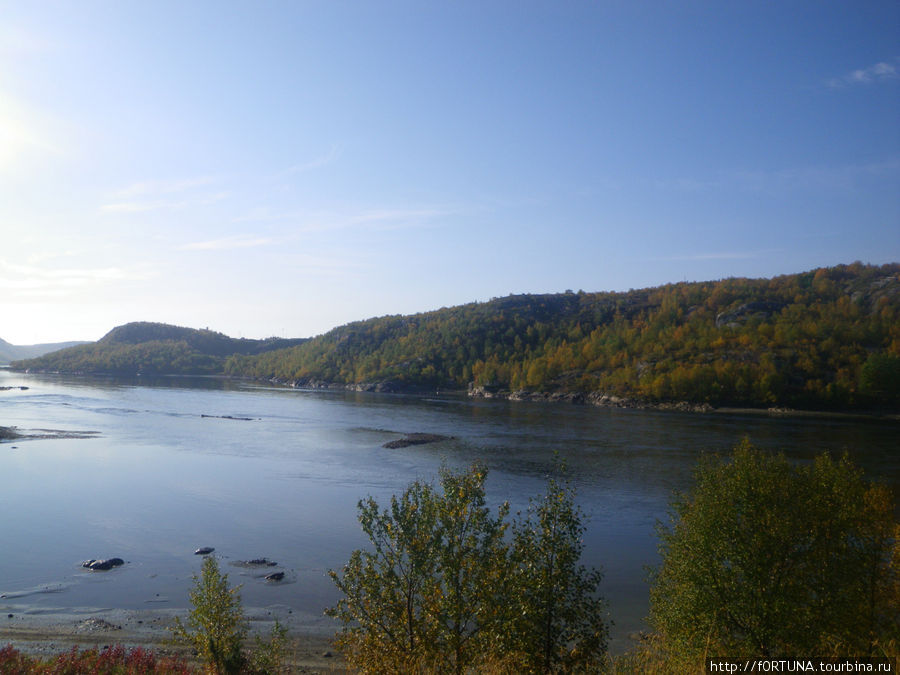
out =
column 325, row 264
column 329, row 157
column 699, row 257
column 161, row 187
column 369, row 218
column 227, row 243
column 35, row 280
column 396, row 217
column 882, row 71
column 152, row 195
column 841, row 177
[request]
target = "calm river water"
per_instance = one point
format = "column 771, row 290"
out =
column 159, row 480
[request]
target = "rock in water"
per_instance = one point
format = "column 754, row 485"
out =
column 102, row 565
column 416, row 439
column 204, row 550
column 275, row 576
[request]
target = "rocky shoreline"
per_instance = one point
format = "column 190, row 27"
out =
column 595, row 398
column 46, row 632
column 606, row 400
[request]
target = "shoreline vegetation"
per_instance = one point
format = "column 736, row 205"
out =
column 827, row 340
column 50, row 633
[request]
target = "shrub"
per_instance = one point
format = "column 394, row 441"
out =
column 770, row 558
column 558, row 617
column 443, row 590
column 217, row 629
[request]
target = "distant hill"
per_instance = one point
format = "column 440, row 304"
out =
column 827, row 338
column 9, row 353
column 824, row 339
column 152, row 348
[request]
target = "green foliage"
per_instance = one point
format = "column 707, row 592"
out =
column 217, row 629
column 422, row 599
column 810, row 340
column 268, row 656
column 443, row 591
column 880, row 377
column 797, row 340
column 153, row 349
column 216, row 626
column 768, row 558
column 558, row 620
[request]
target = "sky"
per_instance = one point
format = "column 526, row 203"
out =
column 281, row 168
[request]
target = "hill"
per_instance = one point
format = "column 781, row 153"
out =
column 824, row 339
column 9, row 352
column 152, row 349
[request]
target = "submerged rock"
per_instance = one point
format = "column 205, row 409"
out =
column 416, row 439
column 204, row 550
column 229, row 417
column 275, row 576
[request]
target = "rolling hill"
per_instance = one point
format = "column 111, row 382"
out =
column 824, row 339
column 9, row 352
column 152, row 349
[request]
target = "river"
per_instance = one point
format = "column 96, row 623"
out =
column 167, row 472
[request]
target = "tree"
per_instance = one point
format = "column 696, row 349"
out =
column 559, row 624
column 879, row 377
column 424, row 598
column 443, row 590
column 770, row 558
column 215, row 627
column 472, row 565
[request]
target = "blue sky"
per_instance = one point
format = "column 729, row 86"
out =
column 281, row 168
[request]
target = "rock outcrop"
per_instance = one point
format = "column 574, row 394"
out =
column 761, row 310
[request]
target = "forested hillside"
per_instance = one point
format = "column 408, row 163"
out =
column 152, row 348
column 828, row 338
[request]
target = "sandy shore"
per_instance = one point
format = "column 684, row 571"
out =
column 43, row 631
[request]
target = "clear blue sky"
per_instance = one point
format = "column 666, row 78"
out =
column 280, row 168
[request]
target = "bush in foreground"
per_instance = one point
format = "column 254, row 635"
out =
column 443, row 590
column 217, row 630
column 768, row 558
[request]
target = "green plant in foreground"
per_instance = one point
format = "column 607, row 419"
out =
column 558, row 623
column 766, row 557
column 444, row 590
column 217, row 629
